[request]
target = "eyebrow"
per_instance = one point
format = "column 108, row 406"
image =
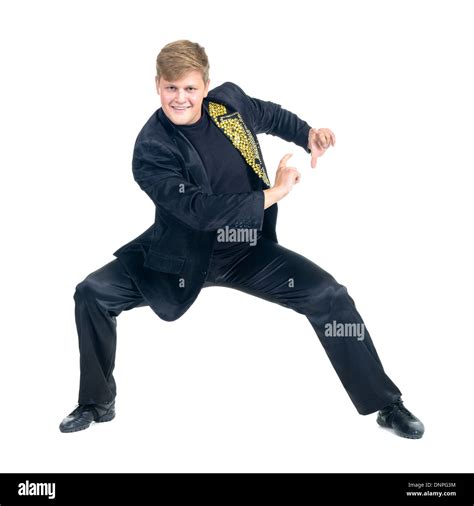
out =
column 171, row 83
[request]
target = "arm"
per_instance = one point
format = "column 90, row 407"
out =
column 157, row 172
column 271, row 118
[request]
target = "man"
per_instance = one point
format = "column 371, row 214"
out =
column 199, row 160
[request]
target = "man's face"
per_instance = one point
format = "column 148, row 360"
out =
column 181, row 100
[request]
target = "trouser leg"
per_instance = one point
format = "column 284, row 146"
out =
column 274, row 273
column 99, row 299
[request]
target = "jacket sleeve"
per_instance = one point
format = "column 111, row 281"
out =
column 158, row 173
column 271, row 118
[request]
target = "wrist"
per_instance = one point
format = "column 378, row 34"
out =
column 278, row 192
column 309, row 140
column 283, row 191
column 273, row 195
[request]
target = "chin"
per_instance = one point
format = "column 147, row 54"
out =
column 181, row 121
column 179, row 118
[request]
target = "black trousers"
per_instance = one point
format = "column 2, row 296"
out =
column 266, row 270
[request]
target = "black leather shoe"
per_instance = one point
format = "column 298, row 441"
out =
column 397, row 417
column 84, row 414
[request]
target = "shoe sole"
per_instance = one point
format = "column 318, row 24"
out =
column 398, row 433
column 104, row 418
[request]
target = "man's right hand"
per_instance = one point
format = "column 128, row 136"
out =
column 285, row 179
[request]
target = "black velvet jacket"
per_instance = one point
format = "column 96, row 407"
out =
column 169, row 261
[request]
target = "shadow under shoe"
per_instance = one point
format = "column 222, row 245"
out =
column 84, row 414
column 404, row 423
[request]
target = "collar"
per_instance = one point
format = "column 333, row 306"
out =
column 170, row 127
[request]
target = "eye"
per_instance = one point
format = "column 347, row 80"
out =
column 191, row 88
column 170, row 87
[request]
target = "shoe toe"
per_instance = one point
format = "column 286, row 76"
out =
column 403, row 422
column 75, row 423
column 84, row 414
column 408, row 426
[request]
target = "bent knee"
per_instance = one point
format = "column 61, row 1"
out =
column 341, row 303
column 327, row 298
column 88, row 289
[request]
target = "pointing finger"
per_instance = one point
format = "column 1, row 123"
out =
column 285, row 159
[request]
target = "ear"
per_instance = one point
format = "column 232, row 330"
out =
column 157, row 84
column 206, row 89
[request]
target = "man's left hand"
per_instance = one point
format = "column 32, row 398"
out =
column 319, row 139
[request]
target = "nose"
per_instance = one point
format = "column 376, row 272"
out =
column 181, row 97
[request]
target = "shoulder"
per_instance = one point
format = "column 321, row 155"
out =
column 235, row 97
column 227, row 89
column 230, row 94
column 152, row 128
column 156, row 135
column 154, row 140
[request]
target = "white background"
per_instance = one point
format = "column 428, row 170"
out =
column 388, row 212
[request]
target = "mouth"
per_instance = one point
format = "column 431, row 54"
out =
column 180, row 109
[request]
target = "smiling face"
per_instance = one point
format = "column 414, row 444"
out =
column 182, row 98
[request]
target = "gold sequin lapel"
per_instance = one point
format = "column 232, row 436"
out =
column 235, row 129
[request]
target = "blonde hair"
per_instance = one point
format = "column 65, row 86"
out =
column 179, row 57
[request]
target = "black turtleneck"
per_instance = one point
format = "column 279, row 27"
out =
column 225, row 167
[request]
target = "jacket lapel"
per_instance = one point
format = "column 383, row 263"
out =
column 233, row 126
column 192, row 160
